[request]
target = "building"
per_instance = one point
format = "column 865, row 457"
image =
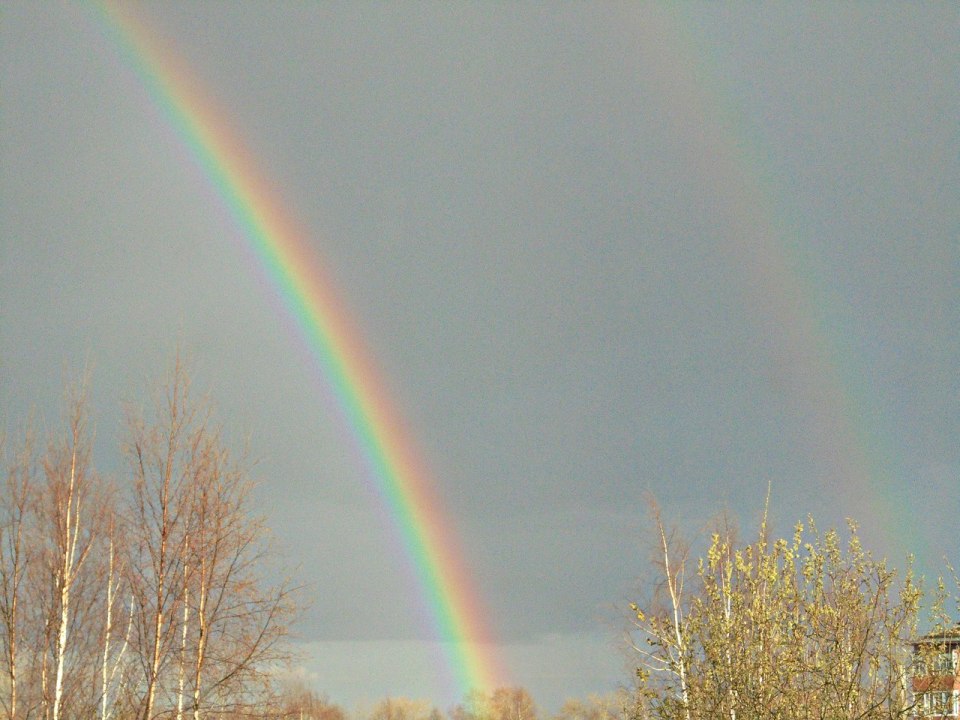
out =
column 936, row 674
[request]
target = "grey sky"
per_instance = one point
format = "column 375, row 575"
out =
column 535, row 214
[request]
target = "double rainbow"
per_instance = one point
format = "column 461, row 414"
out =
column 724, row 153
column 282, row 249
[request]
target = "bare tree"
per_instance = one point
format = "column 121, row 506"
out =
column 15, row 506
column 116, row 637
column 150, row 605
column 207, row 628
column 615, row 706
column 164, row 457
column 298, row 702
column 504, row 703
column 69, row 509
column 401, row 708
column 238, row 623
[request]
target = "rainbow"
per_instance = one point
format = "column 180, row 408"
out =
column 786, row 296
column 308, row 296
column 784, row 279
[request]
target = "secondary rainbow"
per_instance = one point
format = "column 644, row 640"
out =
column 784, row 280
column 280, row 247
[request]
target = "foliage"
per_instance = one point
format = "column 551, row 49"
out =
column 806, row 627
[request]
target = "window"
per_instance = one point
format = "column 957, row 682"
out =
column 937, row 703
column 943, row 663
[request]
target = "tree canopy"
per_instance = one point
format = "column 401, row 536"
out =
column 139, row 597
column 808, row 626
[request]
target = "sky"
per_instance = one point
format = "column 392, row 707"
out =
column 595, row 251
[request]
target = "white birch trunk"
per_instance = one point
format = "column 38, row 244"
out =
column 118, row 663
column 182, row 670
column 44, row 678
column 107, row 631
column 166, row 529
column 201, row 640
column 677, row 620
column 727, row 588
column 155, row 651
column 66, row 580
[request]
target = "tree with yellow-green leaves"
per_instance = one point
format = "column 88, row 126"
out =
column 810, row 626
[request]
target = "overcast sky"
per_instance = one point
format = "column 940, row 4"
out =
column 594, row 249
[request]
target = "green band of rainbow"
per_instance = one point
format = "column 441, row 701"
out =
column 288, row 262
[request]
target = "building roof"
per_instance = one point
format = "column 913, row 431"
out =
column 948, row 636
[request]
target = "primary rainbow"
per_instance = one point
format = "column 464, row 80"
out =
column 281, row 247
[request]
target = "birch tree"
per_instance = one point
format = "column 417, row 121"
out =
column 238, row 622
column 117, row 618
column 663, row 641
column 68, row 515
column 807, row 627
column 207, row 628
column 16, row 502
column 143, row 601
column 164, row 453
